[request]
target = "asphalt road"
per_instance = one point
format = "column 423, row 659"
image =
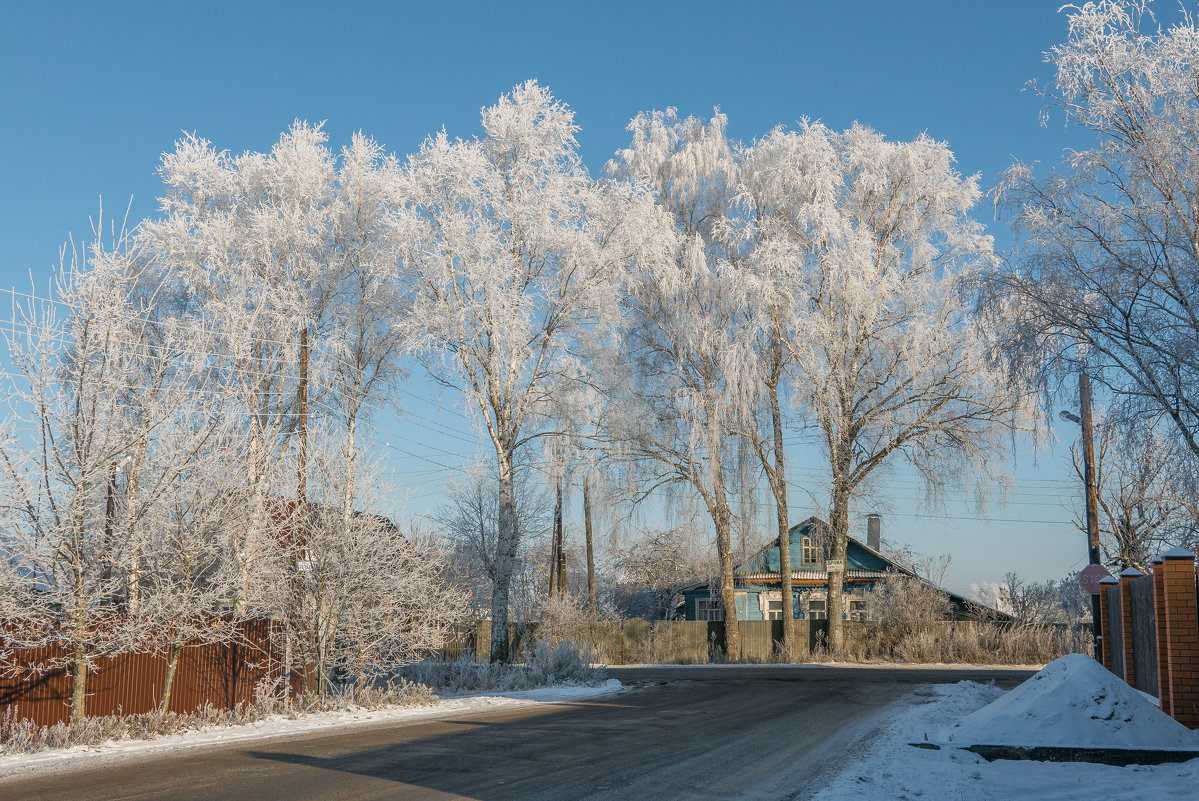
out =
column 738, row 732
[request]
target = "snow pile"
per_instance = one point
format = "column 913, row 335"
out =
column 884, row 766
column 1073, row 702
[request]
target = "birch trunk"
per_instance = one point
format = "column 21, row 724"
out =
column 168, row 683
column 505, row 559
column 778, row 486
column 839, row 523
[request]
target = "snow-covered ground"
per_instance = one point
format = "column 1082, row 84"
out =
column 1055, row 709
column 1073, row 702
column 279, row 726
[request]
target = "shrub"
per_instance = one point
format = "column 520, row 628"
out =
column 544, row 664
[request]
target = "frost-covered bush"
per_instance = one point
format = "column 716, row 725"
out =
column 544, row 665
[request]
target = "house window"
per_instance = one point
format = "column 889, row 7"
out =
column 857, row 609
column 708, row 609
column 817, row 609
column 770, row 602
column 808, row 551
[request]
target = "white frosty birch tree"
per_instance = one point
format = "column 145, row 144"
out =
column 250, row 239
column 512, row 271
column 1108, row 243
column 874, row 241
column 685, row 339
column 93, row 384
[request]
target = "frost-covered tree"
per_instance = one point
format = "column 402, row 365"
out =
column 684, row 338
column 1145, row 499
column 373, row 596
column 873, row 242
column 287, row 259
column 512, row 272
column 249, row 238
column 94, row 386
column 1108, row 242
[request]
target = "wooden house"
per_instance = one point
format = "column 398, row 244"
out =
column 758, row 582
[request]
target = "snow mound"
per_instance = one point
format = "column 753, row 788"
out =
column 1073, row 702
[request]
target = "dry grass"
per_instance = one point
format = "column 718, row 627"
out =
column 19, row 736
column 544, row 664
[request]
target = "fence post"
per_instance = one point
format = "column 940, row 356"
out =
column 1105, row 622
column 1126, row 579
column 1182, row 634
column 1159, row 616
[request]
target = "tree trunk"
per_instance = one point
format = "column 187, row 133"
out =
column 554, row 539
column 78, row 683
column 839, row 523
column 728, row 598
column 168, row 683
column 505, row 558
column 590, row 551
column 778, row 485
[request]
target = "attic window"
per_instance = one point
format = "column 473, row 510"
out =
column 808, row 551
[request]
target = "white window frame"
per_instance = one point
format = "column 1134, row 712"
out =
column 807, row 551
column 820, row 597
column 709, row 609
column 765, row 599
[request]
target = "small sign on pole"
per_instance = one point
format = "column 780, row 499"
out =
column 1090, row 577
column 304, row 566
column 835, row 566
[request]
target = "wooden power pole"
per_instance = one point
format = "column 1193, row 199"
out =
column 1089, row 479
column 590, row 547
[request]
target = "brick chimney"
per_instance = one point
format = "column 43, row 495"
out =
column 874, row 531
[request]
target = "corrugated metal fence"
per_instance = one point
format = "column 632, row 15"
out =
column 222, row 675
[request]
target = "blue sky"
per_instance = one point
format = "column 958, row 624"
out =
column 93, row 93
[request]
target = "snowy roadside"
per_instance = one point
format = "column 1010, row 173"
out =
column 279, row 726
column 818, row 665
column 890, row 768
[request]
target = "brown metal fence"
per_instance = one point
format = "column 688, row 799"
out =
column 221, row 675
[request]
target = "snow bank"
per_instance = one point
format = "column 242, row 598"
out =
column 884, row 766
column 1073, row 702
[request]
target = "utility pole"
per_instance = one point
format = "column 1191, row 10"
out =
column 590, row 548
column 302, row 424
column 300, row 523
column 1089, row 479
column 110, row 510
column 1088, row 462
column 560, row 552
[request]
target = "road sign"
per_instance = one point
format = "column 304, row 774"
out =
column 835, row 566
column 1090, row 577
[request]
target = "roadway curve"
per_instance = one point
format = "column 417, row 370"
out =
column 733, row 732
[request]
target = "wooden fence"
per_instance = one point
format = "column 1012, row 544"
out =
column 223, row 675
column 1150, row 632
column 637, row 641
